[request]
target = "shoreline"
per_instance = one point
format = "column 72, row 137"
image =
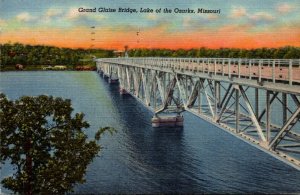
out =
column 47, row 68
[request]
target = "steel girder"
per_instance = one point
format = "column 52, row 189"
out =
column 264, row 118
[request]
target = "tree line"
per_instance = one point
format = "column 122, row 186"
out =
column 287, row 52
column 17, row 53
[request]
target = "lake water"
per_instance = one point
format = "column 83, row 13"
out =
column 139, row 159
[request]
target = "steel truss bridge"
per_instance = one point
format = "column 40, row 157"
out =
column 257, row 100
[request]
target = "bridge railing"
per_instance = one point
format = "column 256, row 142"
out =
column 274, row 70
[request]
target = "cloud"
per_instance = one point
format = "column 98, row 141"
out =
column 212, row 16
column 238, row 12
column 97, row 17
column 208, row 17
column 187, row 21
column 258, row 17
column 284, row 8
column 53, row 12
column 151, row 16
column 261, row 16
column 2, row 22
column 74, row 14
column 24, row 17
column 234, row 28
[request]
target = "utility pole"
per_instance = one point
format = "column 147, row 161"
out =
column 92, row 39
column 0, row 55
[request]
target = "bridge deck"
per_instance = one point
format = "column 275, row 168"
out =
column 275, row 70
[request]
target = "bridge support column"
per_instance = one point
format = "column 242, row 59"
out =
column 217, row 97
column 199, row 99
column 256, row 103
column 237, row 110
column 268, row 116
column 284, row 108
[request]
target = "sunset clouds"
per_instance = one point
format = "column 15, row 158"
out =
column 237, row 12
column 241, row 24
column 285, row 8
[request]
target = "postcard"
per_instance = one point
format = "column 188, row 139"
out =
column 136, row 97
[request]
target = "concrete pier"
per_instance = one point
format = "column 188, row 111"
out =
column 123, row 91
column 167, row 121
column 112, row 81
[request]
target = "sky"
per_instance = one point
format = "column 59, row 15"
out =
column 240, row 24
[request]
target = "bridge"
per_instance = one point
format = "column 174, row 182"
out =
column 256, row 100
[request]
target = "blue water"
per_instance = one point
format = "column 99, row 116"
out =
column 199, row 158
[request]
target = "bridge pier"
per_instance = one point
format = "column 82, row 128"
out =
column 167, row 121
column 123, row 91
column 112, row 80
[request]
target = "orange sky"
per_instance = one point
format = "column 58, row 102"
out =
column 240, row 25
column 155, row 38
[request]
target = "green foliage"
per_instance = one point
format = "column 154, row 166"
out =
column 100, row 132
column 269, row 53
column 41, row 55
column 12, row 54
column 45, row 143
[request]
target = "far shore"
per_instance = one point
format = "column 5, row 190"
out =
column 5, row 68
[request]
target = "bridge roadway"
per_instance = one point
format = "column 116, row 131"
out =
column 256, row 100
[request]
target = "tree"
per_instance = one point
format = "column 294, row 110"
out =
column 45, row 143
